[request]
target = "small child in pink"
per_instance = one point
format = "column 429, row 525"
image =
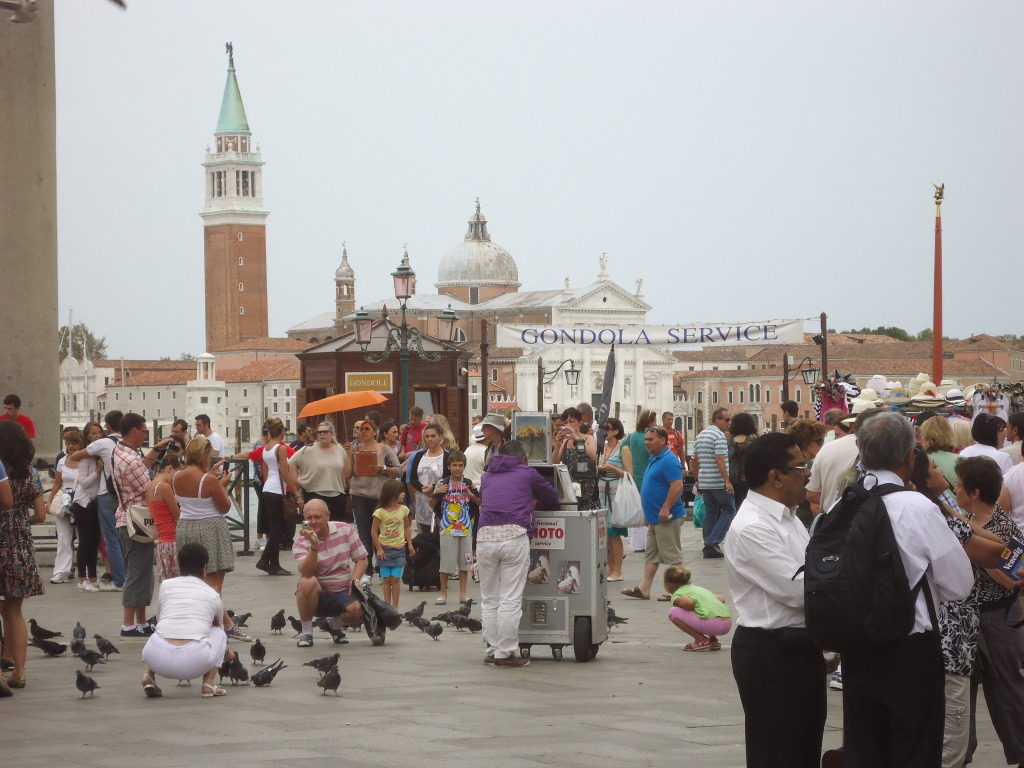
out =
column 698, row 612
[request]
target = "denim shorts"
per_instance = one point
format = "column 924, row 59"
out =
column 394, row 557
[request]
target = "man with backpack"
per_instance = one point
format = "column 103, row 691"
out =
column 878, row 565
column 779, row 669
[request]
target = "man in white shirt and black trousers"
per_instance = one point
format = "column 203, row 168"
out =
column 893, row 695
column 779, row 669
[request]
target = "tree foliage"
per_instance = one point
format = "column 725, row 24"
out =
column 82, row 343
column 885, row 330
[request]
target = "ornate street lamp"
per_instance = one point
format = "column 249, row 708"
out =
column 403, row 338
column 572, row 377
column 807, row 371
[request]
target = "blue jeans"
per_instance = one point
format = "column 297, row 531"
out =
column 108, row 527
column 720, row 509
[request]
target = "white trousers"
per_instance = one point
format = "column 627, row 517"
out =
column 183, row 662
column 503, row 566
column 958, row 719
column 64, row 560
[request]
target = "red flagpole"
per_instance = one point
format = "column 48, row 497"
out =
column 937, row 300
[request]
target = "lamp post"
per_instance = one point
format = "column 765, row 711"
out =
column 572, row 377
column 402, row 338
column 808, row 372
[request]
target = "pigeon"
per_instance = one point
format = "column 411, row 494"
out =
column 84, row 683
column 240, row 618
column 614, row 619
column 224, row 670
column 49, row 647
column 277, row 622
column 414, row 613
column 330, row 681
column 258, row 652
column 324, row 625
column 237, row 671
column 435, row 630
column 459, row 621
column 77, row 646
column 42, row 634
column 323, row 664
column 78, row 633
column 266, row 676
column 474, row 625
column 446, row 617
column 466, row 607
column 91, row 658
column 151, row 620
column 296, row 625
column 105, row 646
column 421, row 622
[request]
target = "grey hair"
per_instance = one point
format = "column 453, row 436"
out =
column 326, row 424
column 885, row 440
column 512, row 448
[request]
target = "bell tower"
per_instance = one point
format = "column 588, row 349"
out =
column 234, row 227
column 344, row 291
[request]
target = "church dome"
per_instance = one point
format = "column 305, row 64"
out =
column 477, row 261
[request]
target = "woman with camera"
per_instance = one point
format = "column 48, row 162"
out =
column 573, row 448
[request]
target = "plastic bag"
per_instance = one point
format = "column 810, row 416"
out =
column 627, row 509
column 698, row 512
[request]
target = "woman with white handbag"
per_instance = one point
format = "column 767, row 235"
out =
column 616, row 462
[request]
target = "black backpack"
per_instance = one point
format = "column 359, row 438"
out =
column 856, row 592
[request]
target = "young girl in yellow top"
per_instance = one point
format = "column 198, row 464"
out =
column 392, row 533
column 697, row 611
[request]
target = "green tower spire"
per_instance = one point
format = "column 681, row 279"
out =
column 232, row 112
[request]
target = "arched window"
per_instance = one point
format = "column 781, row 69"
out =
column 460, row 336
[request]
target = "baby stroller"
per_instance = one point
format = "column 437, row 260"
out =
column 421, row 570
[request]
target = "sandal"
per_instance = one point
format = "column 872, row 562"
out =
column 699, row 645
column 664, row 598
column 636, row 593
column 151, row 689
column 441, row 601
column 210, row 690
column 19, row 683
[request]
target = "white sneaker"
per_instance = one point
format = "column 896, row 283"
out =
column 81, row 584
column 61, row 578
column 89, row 586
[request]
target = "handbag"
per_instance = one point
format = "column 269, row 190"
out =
column 627, row 509
column 698, row 512
column 60, row 504
column 289, row 507
column 141, row 525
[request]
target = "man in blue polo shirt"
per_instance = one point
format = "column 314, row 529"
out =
column 661, row 495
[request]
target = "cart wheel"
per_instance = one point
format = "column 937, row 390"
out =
column 556, row 652
column 582, row 646
column 524, row 651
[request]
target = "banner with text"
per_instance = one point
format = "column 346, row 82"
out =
column 693, row 334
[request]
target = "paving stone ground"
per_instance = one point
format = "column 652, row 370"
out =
column 414, row 701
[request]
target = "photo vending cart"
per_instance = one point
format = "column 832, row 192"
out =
column 564, row 602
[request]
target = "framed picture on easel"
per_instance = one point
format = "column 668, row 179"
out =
column 533, row 430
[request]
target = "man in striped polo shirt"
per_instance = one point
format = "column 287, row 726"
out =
column 711, row 457
column 330, row 556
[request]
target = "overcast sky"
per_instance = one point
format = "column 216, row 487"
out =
column 748, row 160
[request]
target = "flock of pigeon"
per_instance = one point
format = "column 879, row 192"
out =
column 235, row 671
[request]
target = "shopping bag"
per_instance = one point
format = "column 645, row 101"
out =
column 627, row 509
column 698, row 512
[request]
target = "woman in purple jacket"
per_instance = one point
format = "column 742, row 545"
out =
column 510, row 491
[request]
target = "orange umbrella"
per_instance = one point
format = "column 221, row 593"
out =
column 346, row 401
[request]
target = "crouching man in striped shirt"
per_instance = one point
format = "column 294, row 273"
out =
column 330, row 556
